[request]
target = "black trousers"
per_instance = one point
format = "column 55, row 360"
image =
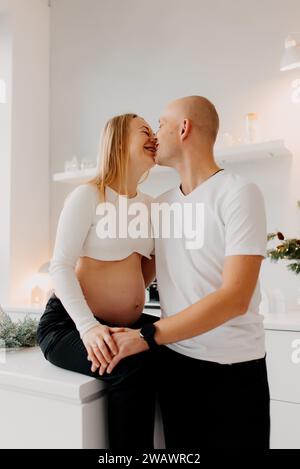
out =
column 209, row 405
column 131, row 389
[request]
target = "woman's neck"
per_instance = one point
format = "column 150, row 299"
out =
column 128, row 188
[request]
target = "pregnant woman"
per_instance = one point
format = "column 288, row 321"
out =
column 99, row 282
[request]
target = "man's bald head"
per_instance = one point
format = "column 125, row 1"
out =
column 201, row 112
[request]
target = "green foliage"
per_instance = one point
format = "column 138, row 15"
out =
column 17, row 334
column 288, row 249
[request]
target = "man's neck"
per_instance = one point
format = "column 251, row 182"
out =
column 194, row 171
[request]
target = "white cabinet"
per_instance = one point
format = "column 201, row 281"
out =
column 284, row 375
column 285, row 426
column 284, row 382
column 43, row 406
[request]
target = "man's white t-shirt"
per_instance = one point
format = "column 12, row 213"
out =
column 232, row 221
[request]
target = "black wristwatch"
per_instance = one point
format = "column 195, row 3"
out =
column 147, row 333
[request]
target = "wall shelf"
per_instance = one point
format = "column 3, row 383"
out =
column 252, row 152
column 75, row 177
column 224, row 156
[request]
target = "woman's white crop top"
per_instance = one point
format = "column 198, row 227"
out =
column 82, row 231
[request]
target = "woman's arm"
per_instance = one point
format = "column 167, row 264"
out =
column 73, row 225
column 148, row 269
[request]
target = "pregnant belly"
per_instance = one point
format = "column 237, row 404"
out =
column 114, row 290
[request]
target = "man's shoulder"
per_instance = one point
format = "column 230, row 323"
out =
column 236, row 183
column 231, row 178
column 233, row 182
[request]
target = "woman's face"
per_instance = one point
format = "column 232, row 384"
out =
column 142, row 145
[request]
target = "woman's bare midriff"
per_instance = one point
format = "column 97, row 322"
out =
column 114, row 290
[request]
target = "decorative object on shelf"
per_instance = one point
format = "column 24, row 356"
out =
column 72, row 165
column 291, row 56
column 40, row 286
column 224, row 155
column 17, row 334
column 75, row 177
column 251, row 128
column 87, row 163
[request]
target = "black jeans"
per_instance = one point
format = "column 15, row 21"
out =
column 131, row 389
column 209, row 405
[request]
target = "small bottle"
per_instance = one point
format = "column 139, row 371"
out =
column 251, row 128
column 74, row 163
column 86, row 163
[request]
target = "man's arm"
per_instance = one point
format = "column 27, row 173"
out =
column 240, row 275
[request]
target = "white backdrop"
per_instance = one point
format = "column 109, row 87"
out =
column 136, row 55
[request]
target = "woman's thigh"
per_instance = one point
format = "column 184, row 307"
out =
column 62, row 346
column 70, row 353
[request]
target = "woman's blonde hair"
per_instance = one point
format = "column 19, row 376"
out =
column 114, row 154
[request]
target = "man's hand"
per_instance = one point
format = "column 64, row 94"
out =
column 100, row 346
column 128, row 342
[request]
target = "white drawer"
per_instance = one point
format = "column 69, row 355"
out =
column 283, row 373
column 285, row 418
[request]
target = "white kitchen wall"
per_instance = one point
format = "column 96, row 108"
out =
column 110, row 57
column 24, row 174
column 5, row 142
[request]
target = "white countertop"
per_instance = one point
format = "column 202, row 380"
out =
column 27, row 370
column 283, row 322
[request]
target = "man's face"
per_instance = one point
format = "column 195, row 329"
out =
column 168, row 141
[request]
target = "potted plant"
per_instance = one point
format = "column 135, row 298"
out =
column 288, row 249
column 17, row 335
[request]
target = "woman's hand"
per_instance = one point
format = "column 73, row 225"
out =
column 129, row 342
column 100, row 346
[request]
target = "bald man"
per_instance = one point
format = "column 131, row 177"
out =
column 209, row 342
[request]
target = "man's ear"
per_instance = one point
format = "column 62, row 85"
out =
column 185, row 129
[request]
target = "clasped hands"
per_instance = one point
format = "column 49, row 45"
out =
column 106, row 346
